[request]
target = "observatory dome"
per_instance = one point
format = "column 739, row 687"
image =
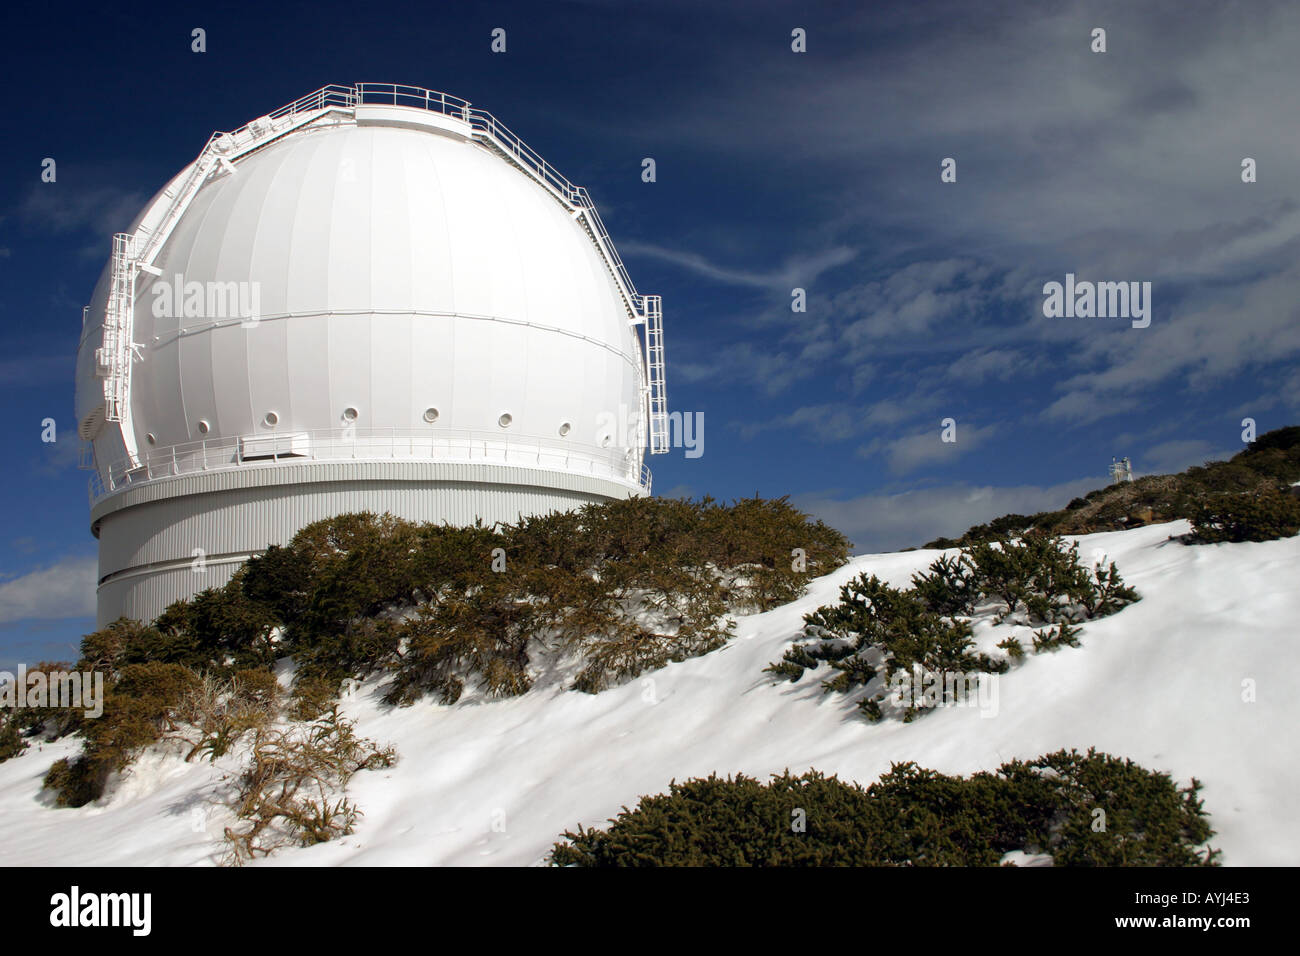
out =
column 376, row 298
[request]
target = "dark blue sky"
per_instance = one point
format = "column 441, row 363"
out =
column 776, row 170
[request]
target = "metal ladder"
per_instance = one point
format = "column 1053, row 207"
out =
column 643, row 310
column 134, row 253
column 656, row 387
column 113, row 357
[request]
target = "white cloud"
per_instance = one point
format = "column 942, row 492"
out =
column 66, row 207
column 1083, row 406
column 1171, row 457
column 834, row 421
column 1206, row 340
column 828, row 423
column 1122, row 167
column 910, row 302
column 887, row 522
column 797, row 271
column 910, row 452
column 767, row 369
column 976, row 366
column 31, row 370
column 64, row 589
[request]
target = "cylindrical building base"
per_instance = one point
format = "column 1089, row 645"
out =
column 168, row 539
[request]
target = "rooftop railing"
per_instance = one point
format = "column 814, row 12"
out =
column 488, row 126
column 370, row 444
column 304, row 111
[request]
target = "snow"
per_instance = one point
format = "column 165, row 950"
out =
column 496, row 782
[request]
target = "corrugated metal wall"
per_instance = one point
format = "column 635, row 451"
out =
column 150, row 536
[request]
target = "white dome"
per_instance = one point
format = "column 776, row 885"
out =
column 375, row 298
column 399, row 273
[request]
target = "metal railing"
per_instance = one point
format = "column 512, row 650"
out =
column 253, row 134
column 134, row 253
column 373, row 444
column 487, row 126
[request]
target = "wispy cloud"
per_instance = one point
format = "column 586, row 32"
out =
column 886, row 522
column 771, row 370
column 1218, row 334
column 910, row 452
column 62, row 590
column 57, row 457
column 1123, row 166
column 63, row 206
column 1174, row 456
column 980, row 365
column 796, row 272
column 35, row 370
column 840, row 421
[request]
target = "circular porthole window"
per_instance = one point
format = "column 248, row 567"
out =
column 565, row 428
column 430, row 415
column 505, row 420
column 203, row 426
column 151, row 438
column 270, row 419
column 350, row 414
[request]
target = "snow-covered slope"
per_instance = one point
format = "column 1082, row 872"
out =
column 496, row 782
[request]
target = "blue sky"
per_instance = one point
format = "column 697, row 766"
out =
column 775, row 170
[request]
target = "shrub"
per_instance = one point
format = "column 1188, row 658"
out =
column 12, row 742
column 911, row 817
column 948, row 587
column 291, row 792
column 1244, row 517
column 22, row 722
column 218, row 629
column 1039, row 574
column 312, row 696
column 1146, row 819
column 760, row 540
column 626, row 586
column 733, row 822
column 141, row 704
column 129, row 642
column 1106, row 592
column 219, row 713
column 622, row 587
column 887, row 631
column 890, row 630
column 1015, row 650
column 1049, row 640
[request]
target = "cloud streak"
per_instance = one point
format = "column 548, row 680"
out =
column 62, row 590
column 888, row 522
column 797, row 271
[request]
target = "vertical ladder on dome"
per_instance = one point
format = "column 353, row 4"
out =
column 133, row 253
column 645, row 310
column 113, row 357
column 658, row 393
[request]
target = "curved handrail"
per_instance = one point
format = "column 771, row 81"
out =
column 370, row 444
column 137, row 251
